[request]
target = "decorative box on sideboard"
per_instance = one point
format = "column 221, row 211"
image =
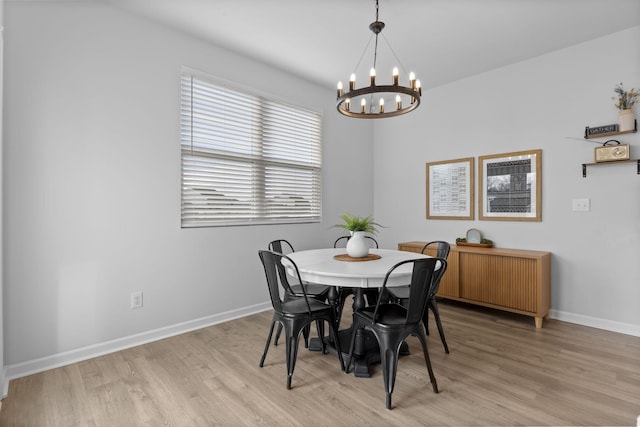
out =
column 514, row 280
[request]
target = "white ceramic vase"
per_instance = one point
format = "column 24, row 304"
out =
column 625, row 120
column 357, row 246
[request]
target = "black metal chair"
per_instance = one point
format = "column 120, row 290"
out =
column 392, row 323
column 295, row 311
column 313, row 290
column 401, row 294
column 370, row 295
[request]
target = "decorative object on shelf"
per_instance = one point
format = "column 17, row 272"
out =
column 474, row 238
column 450, row 189
column 593, row 132
column 608, row 130
column 357, row 246
column 626, row 120
column 611, row 153
column 404, row 98
column 474, row 235
column 510, row 187
column 626, row 101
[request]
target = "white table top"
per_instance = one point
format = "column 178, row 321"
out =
column 319, row 266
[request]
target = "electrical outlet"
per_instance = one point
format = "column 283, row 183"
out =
column 581, row 205
column 136, row 299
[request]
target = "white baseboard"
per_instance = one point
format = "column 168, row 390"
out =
column 61, row 359
column 595, row 322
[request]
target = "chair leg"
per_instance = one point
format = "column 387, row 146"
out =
column 389, row 361
column 340, row 308
column 432, row 377
column 436, row 315
column 266, row 347
column 305, row 334
column 333, row 330
column 320, row 330
column 425, row 320
column 305, row 331
column 352, row 344
column 389, row 349
column 278, row 332
column 291, row 352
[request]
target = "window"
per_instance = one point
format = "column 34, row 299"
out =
column 246, row 159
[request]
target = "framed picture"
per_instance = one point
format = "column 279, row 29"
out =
column 450, row 189
column 510, row 186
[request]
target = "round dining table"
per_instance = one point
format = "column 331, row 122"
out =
column 335, row 268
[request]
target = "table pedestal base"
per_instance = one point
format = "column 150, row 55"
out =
column 360, row 363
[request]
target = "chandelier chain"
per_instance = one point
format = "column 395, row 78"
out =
column 394, row 54
column 364, row 52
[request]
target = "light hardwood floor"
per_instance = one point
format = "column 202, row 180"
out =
column 502, row 371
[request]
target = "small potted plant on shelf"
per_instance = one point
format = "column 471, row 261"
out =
column 357, row 246
column 626, row 101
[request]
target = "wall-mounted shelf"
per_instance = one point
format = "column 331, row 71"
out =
column 603, row 131
column 584, row 165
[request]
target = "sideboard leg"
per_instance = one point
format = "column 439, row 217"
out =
column 538, row 322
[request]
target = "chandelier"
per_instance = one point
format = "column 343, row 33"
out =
column 369, row 101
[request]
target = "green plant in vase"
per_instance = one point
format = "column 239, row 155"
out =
column 354, row 223
column 357, row 247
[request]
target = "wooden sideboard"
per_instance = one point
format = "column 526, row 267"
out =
column 512, row 280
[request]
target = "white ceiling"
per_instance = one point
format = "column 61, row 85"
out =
column 440, row 40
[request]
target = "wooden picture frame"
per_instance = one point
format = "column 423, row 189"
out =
column 510, row 186
column 450, row 188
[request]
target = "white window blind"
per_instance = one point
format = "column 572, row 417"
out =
column 247, row 159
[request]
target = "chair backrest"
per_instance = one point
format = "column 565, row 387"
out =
column 278, row 246
column 443, row 248
column 272, row 262
column 281, row 246
column 422, row 280
column 342, row 240
column 442, row 251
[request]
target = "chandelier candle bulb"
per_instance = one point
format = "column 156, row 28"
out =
column 381, row 109
column 372, row 74
column 352, row 82
column 347, row 104
column 340, row 89
column 398, row 102
column 418, row 87
column 395, row 76
column 412, row 80
column 363, row 105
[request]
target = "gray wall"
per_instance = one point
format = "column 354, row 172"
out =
column 545, row 103
column 92, row 185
